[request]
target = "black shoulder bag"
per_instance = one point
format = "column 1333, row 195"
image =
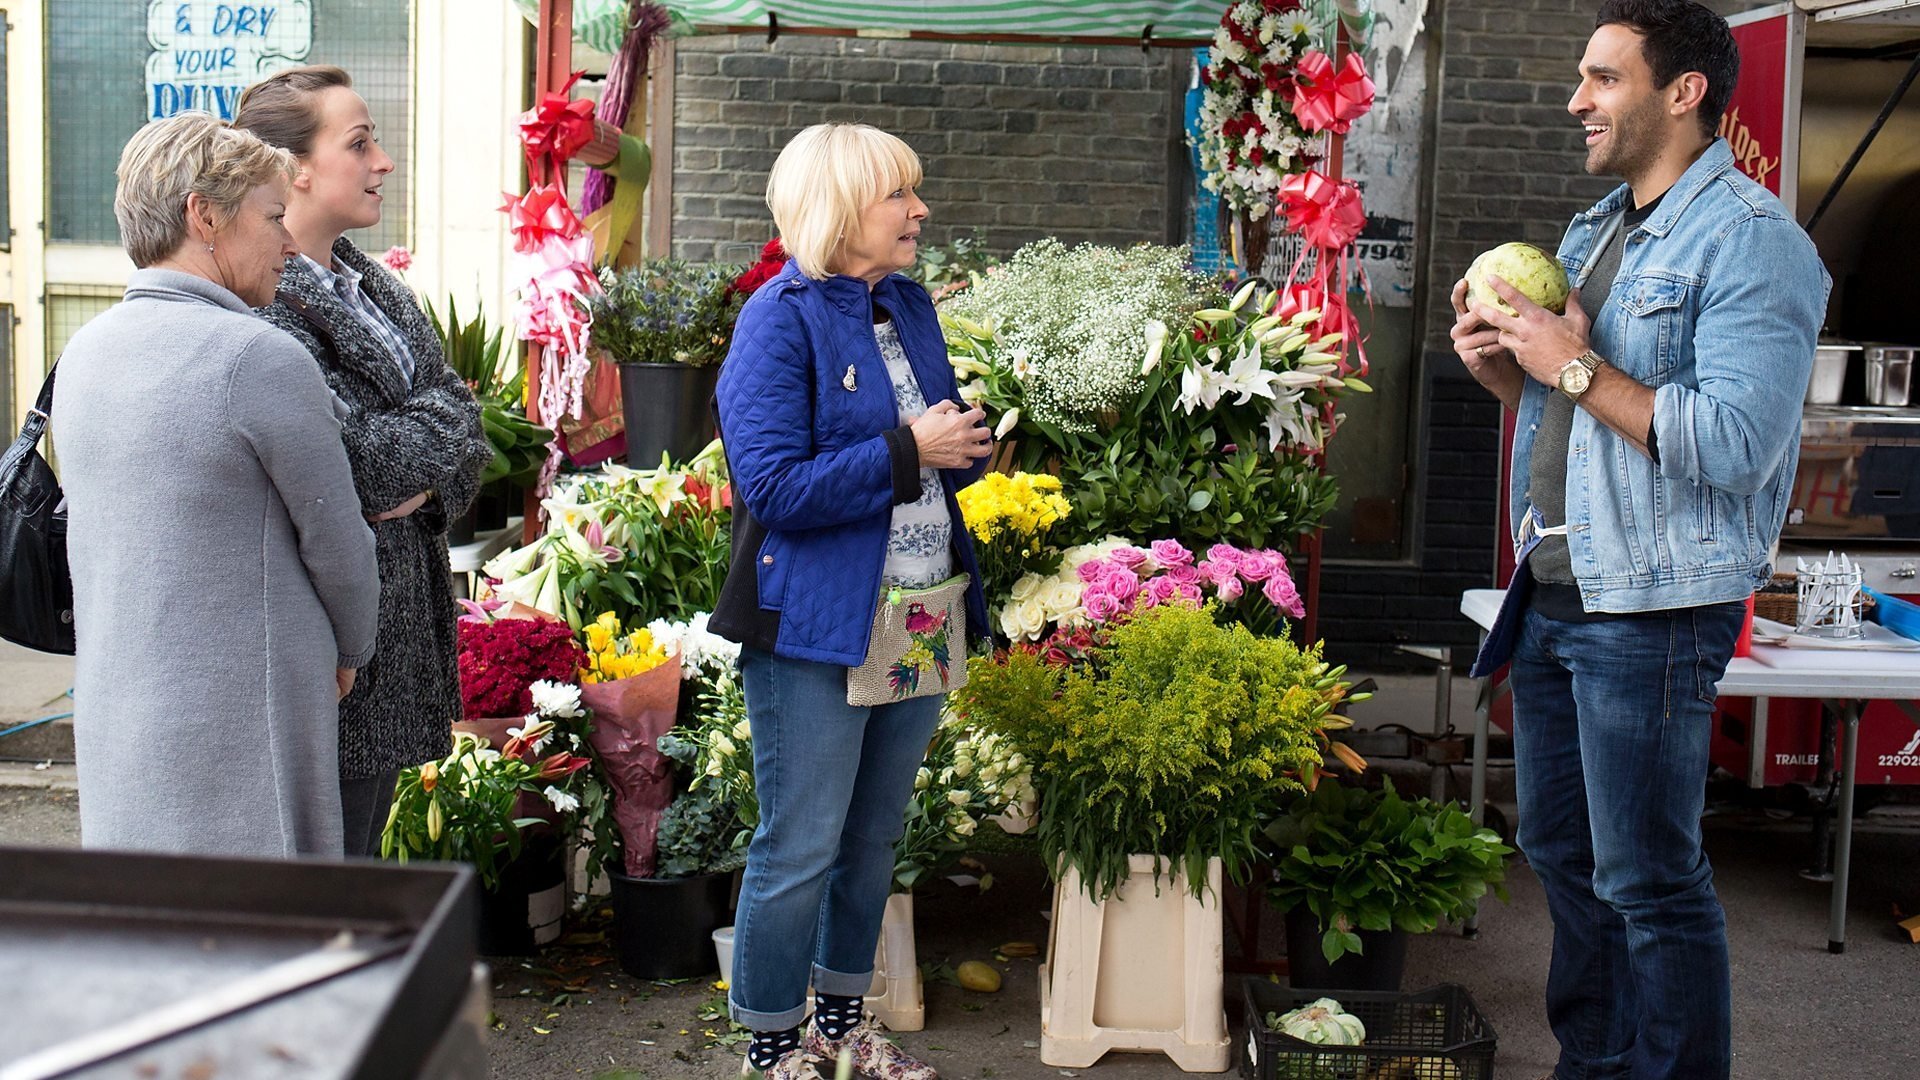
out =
column 36, row 586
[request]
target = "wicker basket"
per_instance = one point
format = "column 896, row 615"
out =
column 1780, row 600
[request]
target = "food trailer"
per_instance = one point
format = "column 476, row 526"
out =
column 1821, row 116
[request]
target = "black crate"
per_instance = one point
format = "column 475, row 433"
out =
column 1435, row 1034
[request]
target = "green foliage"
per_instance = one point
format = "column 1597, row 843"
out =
column 666, row 311
column 1366, row 860
column 480, row 356
column 953, row 264
column 460, row 809
column 707, row 828
column 1177, row 737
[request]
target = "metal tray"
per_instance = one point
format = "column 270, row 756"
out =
column 92, row 941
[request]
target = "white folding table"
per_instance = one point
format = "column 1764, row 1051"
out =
column 1785, row 673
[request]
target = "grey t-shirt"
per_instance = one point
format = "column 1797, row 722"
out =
column 1552, row 562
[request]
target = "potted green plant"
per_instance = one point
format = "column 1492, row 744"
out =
column 481, row 356
column 1357, row 870
column 1160, row 745
column 473, row 806
column 667, row 323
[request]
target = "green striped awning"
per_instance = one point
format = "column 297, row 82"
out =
column 1172, row 21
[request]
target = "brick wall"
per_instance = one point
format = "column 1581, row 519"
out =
column 1020, row 142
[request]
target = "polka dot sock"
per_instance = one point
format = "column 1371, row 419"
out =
column 768, row 1047
column 835, row 1015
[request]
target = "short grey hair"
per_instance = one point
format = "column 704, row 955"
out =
column 185, row 154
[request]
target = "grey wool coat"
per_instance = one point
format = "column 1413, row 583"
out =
column 401, row 440
column 222, row 570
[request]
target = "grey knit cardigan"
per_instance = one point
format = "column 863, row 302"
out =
column 401, row 440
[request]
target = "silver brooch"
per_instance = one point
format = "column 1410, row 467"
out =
column 848, row 381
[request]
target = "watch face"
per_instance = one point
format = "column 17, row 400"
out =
column 1574, row 379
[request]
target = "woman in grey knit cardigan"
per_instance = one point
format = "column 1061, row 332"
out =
column 223, row 576
column 412, row 432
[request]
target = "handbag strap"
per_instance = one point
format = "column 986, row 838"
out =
column 33, row 427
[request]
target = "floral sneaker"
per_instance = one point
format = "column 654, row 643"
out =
column 873, row 1056
column 793, row 1065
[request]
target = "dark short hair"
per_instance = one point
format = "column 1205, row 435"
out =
column 1678, row 36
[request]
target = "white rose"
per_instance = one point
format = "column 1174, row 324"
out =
column 1027, row 587
column 960, row 797
column 962, row 768
column 965, row 826
column 922, row 778
column 1032, row 617
column 743, row 731
column 1063, row 596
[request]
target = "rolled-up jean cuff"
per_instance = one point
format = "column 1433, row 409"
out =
column 840, row 983
column 759, row 1021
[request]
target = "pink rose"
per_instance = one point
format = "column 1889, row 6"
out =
column 1225, row 555
column 1171, row 553
column 1101, row 606
column 1219, row 573
column 397, row 259
column 1280, row 592
column 1185, row 575
column 1128, row 556
column 1189, row 593
column 1231, row 590
column 1093, row 571
column 1123, row 586
column 1259, row 565
column 1160, row 590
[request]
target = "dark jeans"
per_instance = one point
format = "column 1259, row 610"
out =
column 363, row 810
column 1610, row 733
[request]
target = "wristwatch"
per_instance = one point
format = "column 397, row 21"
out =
column 1577, row 376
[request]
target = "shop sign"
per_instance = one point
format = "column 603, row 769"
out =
column 1755, row 123
column 206, row 52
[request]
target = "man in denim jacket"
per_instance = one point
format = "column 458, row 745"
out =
column 1656, row 444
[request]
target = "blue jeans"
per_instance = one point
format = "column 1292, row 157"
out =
column 833, row 781
column 1610, row 734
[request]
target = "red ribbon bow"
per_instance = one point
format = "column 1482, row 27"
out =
column 539, row 216
column 1329, row 100
column 555, row 129
column 1326, row 212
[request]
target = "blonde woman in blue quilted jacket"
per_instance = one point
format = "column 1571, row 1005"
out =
column 846, row 442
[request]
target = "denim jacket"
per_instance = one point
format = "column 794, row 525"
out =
column 1716, row 306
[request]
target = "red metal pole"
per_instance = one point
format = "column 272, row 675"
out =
column 553, row 64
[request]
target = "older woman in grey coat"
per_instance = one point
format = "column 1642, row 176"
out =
column 412, row 429
column 223, row 574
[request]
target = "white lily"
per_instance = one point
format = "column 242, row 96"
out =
column 1201, row 386
column 1007, row 423
column 973, row 391
column 1249, row 377
column 1156, row 344
column 526, row 588
column 1240, row 298
column 1316, row 356
column 1300, row 379
column 1302, row 318
column 967, row 365
column 560, row 800
column 515, row 563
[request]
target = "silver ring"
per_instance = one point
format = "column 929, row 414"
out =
column 1481, row 352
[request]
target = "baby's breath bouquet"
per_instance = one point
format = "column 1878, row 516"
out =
column 1012, row 519
column 1172, row 736
column 969, row 776
column 1052, row 342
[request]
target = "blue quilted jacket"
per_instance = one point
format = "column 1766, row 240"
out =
column 819, row 460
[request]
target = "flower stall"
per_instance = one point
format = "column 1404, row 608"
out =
column 1152, row 711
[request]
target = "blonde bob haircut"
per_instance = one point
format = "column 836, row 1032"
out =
column 822, row 182
column 189, row 153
